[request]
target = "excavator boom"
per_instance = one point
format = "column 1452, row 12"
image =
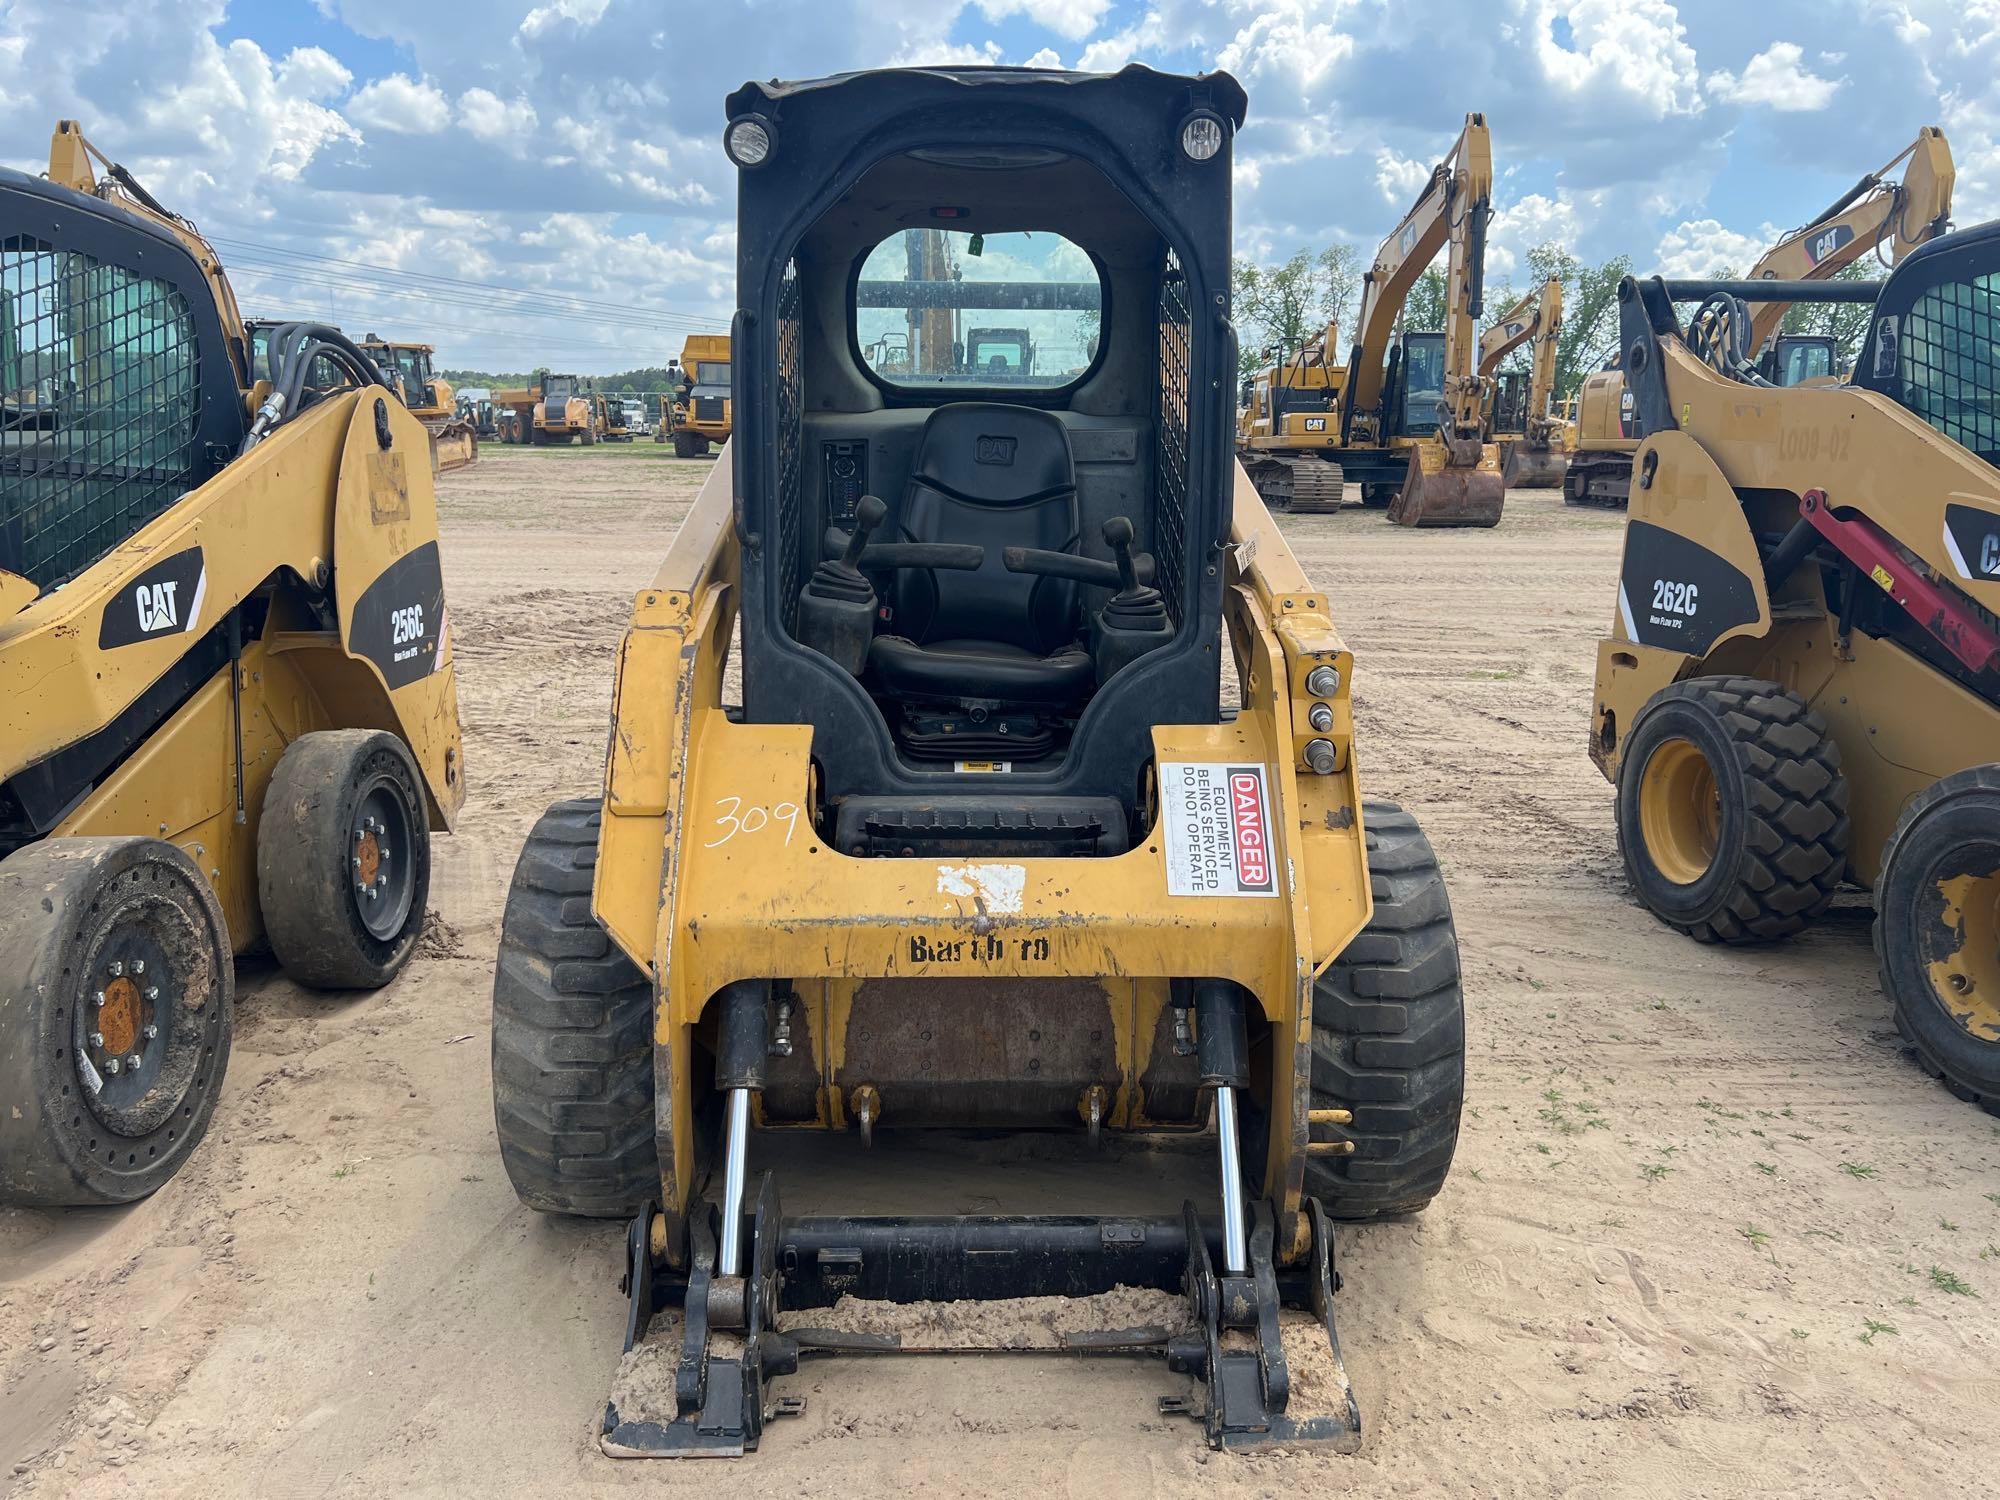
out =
column 1874, row 211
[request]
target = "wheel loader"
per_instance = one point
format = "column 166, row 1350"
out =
column 1802, row 684
column 228, row 713
column 1902, row 213
column 454, row 440
column 978, row 846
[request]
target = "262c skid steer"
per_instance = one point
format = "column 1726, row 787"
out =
column 1802, row 684
column 980, row 846
column 227, row 706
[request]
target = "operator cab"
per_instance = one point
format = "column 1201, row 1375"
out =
column 982, row 447
column 1934, row 339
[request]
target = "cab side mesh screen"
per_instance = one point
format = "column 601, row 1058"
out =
column 1171, row 443
column 791, row 410
column 100, row 397
column 1951, row 362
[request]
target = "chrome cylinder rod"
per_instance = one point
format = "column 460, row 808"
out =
column 1235, row 1248
column 736, row 1163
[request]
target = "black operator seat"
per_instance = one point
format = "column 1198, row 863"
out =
column 993, row 476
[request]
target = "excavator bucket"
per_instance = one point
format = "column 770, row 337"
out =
column 1436, row 494
column 454, row 445
column 1530, row 468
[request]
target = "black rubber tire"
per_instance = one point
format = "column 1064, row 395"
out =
column 1389, row 1034
column 1781, row 843
column 1951, row 828
column 1380, row 496
column 312, row 912
column 684, row 445
column 68, row 906
column 572, row 1036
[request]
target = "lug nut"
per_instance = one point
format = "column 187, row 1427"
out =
column 97, row 1039
column 117, row 968
column 357, row 861
column 132, row 1061
column 152, row 992
column 98, row 999
column 1320, row 716
column 111, row 1065
column 138, row 967
column 151, row 1032
column 1322, row 757
column 1323, row 682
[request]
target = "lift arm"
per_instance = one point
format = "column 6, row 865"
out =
column 70, row 165
column 1905, row 213
column 1453, row 207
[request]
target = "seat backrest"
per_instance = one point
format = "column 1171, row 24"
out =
column 994, row 476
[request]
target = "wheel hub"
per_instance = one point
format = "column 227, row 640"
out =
column 1966, row 972
column 379, row 865
column 1680, row 811
column 125, row 1023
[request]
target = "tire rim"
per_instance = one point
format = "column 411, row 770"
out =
column 1680, row 811
column 139, row 1023
column 1962, row 952
column 381, row 860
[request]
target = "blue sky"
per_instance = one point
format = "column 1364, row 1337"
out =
column 567, row 150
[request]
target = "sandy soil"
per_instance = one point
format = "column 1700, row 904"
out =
column 1710, row 1231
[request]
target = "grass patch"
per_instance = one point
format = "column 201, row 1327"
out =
column 1858, row 1169
column 1871, row 1328
column 1952, row 1282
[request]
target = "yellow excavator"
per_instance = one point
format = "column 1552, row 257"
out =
column 1904, row 214
column 1287, row 429
column 1520, row 416
column 1412, row 409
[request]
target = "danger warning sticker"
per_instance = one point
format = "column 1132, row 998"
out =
column 1218, row 826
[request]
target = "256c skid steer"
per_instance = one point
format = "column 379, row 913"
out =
column 227, row 705
column 981, row 846
column 1802, row 685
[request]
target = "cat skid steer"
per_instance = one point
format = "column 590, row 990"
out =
column 227, row 705
column 980, row 846
column 1801, row 685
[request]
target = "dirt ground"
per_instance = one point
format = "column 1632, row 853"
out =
column 1710, row 1231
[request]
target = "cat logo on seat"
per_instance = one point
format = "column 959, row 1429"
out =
column 994, row 450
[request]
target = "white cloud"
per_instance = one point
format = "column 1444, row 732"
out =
column 1399, row 177
column 1776, row 77
column 1703, row 247
column 486, row 115
column 582, row 14
column 401, row 104
column 1070, row 19
column 1635, row 47
column 1046, row 58
column 1289, row 42
column 313, row 73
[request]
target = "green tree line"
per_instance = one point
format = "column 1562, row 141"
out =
column 651, row 380
column 1281, row 305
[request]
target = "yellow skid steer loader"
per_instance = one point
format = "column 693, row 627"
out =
column 980, row 845
column 227, row 706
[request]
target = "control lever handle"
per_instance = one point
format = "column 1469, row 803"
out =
column 1118, row 537
column 868, row 515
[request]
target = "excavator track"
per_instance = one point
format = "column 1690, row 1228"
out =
column 1317, row 486
column 1598, row 482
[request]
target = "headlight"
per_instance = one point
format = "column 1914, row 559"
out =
column 1201, row 135
column 748, row 142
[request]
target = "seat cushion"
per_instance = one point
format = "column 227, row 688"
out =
column 956, row 670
